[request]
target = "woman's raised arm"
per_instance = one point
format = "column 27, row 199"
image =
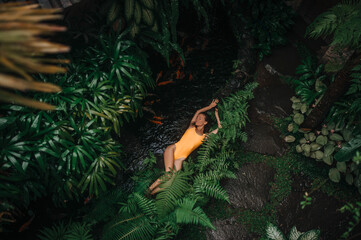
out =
column 218, row 121
column 210, row 106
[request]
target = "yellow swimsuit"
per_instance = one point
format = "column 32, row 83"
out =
column 189, row 141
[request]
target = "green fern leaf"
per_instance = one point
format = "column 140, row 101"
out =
column 129, row 227
column 146, row 205
column 212, row 189
column 79, row 231
column 185, row 213
column 56, row 232
column 171, row 190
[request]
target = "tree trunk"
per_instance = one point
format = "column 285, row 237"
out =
column 334, row 91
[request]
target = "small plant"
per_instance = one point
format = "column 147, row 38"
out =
column 307, row 200
column 355, row 210
column 310, row 85
column 274, row 233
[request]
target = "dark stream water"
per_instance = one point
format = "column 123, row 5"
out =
column 205, row 72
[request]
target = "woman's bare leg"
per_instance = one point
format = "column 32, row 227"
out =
column 178, row 163
column 168, row 164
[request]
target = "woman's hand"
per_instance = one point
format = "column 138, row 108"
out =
column 213, row 103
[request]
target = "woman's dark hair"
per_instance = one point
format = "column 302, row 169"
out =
column 208, row 119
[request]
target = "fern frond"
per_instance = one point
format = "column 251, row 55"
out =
column 167, row 231
column 212, row 189
column 130, row 206
column 205, row 149
column 342, row 20
column 105, row 207
column 186, row 214
column 57, row 231
column 147, row 206
column 79, row 231
column 129, row 227
column 170, row 191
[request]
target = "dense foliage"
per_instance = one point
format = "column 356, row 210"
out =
column 182, row 194
column 267, row 22
column 69, row 153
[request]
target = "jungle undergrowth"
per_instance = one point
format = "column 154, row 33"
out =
column 285, row 168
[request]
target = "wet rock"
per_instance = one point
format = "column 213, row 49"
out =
column 228, row 229
column 264, row 139
column 273, row 100
column 251, row 188
column 322, row 214
column 283, row 59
